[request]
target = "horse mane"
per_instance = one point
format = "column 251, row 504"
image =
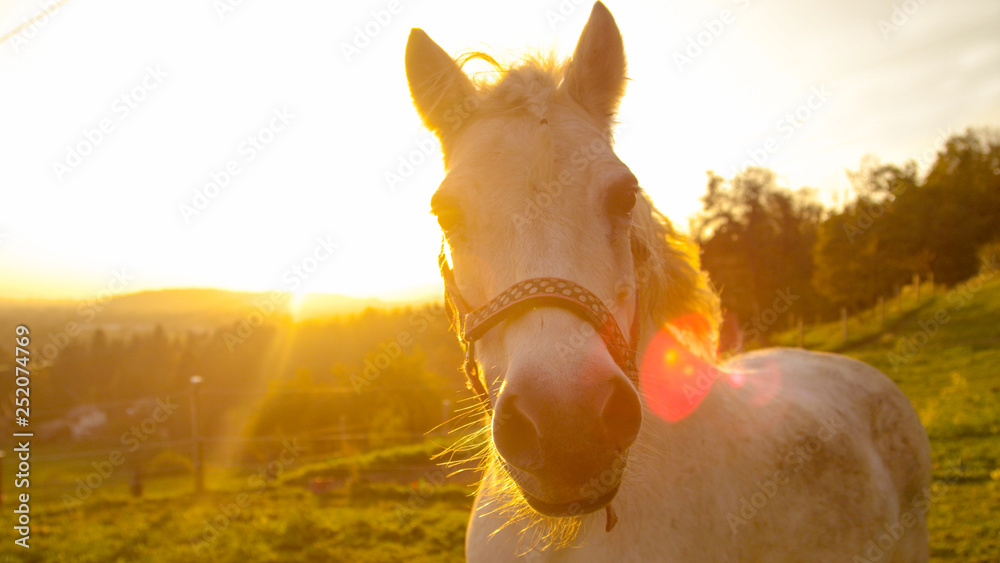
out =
column 674, row 292
column 528, row 85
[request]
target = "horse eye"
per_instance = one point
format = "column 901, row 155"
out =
column 622, row 198
column 446, row 209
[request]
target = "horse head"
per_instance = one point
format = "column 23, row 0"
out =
column 534, row 191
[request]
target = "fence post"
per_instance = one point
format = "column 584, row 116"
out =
column 881, row 311
column 843, row 321
column 801, row 334
column 930, row 280
column 199, row 466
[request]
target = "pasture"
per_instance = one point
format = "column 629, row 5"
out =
column 950, row 373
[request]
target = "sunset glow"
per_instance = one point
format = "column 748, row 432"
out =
column 220, row 159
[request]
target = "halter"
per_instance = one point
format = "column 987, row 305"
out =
column 526, row 295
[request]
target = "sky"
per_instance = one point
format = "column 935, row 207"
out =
column 273, row 146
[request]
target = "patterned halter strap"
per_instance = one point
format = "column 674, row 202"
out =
column 526, row 295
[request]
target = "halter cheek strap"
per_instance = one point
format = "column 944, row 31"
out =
column 526, row 295
column 457, row 311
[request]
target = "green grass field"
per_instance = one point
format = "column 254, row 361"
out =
column 943, row 351
column 240, row 519
column 283, row 524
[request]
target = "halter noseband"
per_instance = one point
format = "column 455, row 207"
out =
column 528, row 294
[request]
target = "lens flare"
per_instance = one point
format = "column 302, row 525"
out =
column 674, row 379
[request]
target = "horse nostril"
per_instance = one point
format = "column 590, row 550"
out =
column 515, row 435
column 622, row 414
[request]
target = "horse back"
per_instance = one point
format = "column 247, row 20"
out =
column 841, row 460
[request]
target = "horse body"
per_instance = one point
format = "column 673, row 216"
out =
column 775, row 455
column 834, row 465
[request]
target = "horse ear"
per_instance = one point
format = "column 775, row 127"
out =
column 595, row 77
column 440, row 90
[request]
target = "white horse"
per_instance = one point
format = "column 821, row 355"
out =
column 776, row 455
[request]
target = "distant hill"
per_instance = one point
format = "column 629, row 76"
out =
column 170, row 303
column 179, row 308
column 319, row 305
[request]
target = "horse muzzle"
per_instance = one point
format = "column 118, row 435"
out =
column 566, row 448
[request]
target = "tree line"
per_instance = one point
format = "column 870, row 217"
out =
column 378, row 373
column 768, row 246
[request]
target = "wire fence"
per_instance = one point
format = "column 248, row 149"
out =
column 878, row 313
column 64, row 466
